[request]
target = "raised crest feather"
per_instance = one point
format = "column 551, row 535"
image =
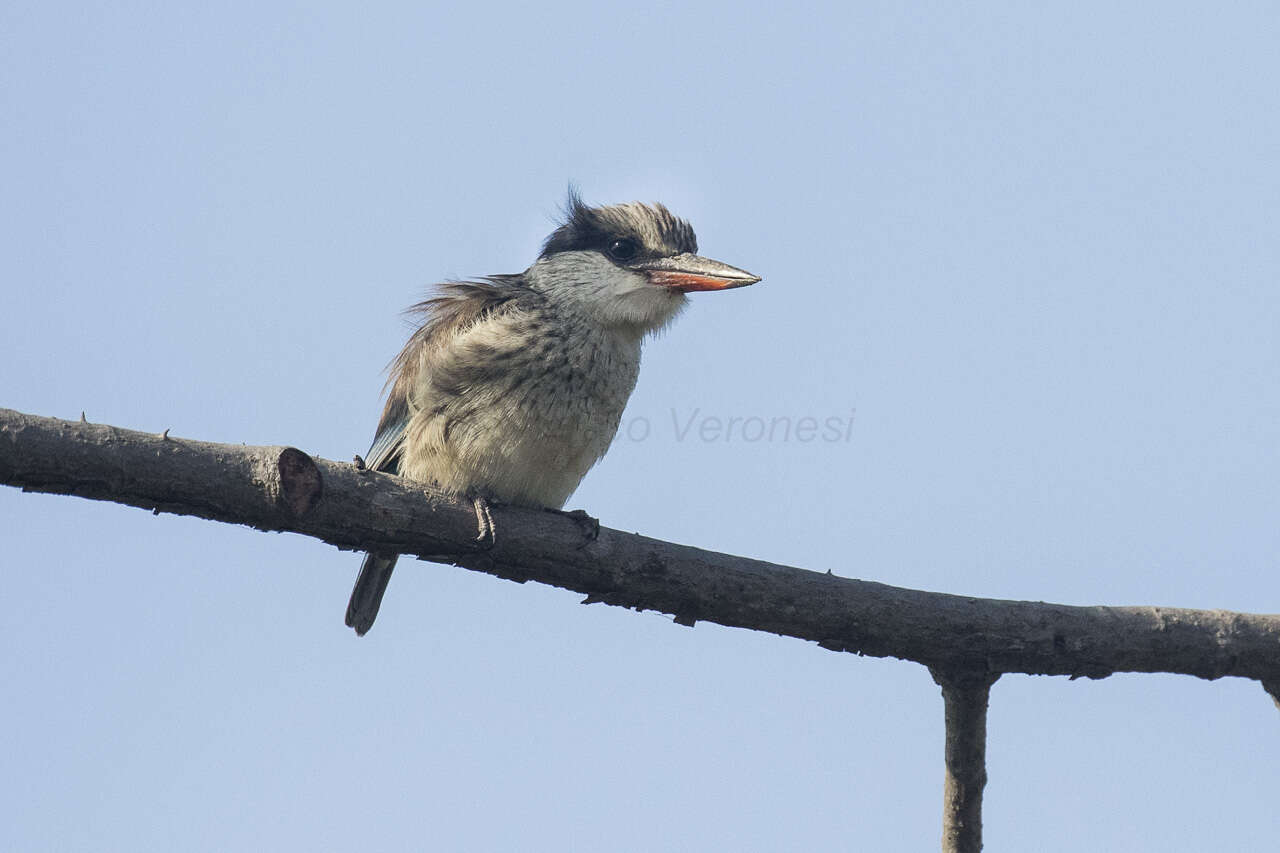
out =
column 660, row 232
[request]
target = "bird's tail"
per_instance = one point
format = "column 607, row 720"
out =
column 366, row 597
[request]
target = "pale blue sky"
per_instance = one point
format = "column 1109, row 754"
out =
column 1033, row 246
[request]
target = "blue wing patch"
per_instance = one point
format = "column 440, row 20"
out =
column 384, row 453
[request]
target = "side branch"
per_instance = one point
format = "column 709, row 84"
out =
column 964, row 697
column 284, row 489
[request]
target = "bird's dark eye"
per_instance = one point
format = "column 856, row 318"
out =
column 623, row 250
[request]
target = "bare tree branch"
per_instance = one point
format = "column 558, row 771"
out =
column 284, row 489
column 964, row 696
column 1273, row 690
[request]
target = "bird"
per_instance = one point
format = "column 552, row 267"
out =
column 513, row 386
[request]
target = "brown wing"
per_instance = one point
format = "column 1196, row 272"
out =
column 457, row 306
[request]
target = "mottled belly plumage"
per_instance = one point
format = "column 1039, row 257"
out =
column 526, row 426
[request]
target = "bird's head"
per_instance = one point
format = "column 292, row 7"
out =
column 628, row 265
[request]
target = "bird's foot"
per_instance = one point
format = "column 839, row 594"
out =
column 484, row 520
column 589, row 526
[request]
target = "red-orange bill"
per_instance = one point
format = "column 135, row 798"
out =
column 688, row 272
column 687, row 282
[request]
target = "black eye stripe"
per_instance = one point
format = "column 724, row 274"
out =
column 595, row 228
column 622, row 249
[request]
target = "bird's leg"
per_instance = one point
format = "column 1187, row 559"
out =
column 484, row 520
column 589, row 526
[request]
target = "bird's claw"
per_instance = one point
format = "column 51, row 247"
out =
column 589, row 526
column 484, row 521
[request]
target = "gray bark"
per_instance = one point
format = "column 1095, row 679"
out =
column 964, row 697
column 284, row 489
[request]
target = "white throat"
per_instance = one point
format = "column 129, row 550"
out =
column 611, row 296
